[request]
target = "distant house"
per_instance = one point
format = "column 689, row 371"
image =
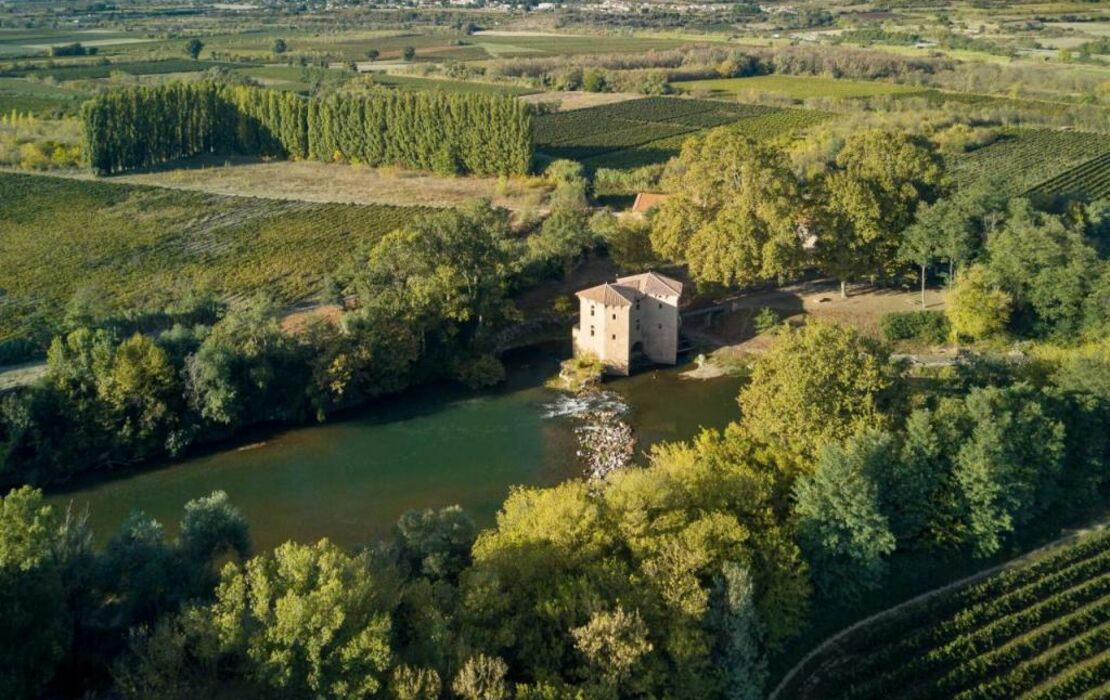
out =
column 646, row 201
column 631, row 319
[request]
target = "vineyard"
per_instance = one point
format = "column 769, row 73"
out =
column 797, row 86
column 1037, row 631
column 140, row 246
column 651, row 130
column 1029, row 157
column 1091, row 179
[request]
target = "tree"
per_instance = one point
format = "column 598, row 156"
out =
column 923, row 242
column 247, row 369
column 870, row 197
column 734, row 216
column 193, row 47
column 372, row 54
column 435, row 544
column 1008, row 466
column 453, row 265
column 818, row 384
column 1046, row 267
column 627, row 240
column 840, row 527
column 36, row 627
column 482, row 678
column 975, row 308
column 611, row 645
column 142, row 391
column 740, row 650
column 310, row 620
column 415, row 683
column 279, row 46
column 408, row 53
column 913, row 479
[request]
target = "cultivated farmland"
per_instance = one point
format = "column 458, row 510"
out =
column 141, row 246
column 650, row 130
column 1089, row 179
column 1040, row 630
column 1025, row 158
column 796, row 86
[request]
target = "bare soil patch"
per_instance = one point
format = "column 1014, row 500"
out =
column 580, row 100
column 863, row 309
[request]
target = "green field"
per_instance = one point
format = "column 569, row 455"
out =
column 1026, row 158
column 100, row 69
column 796, row 86
column 17, row 94
column 764, row 127
column 143, row 245
column 1038, row 630
column 651, row 130
column 588, row 133
column 1089, row 179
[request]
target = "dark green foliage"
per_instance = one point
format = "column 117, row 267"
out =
column 449, row 133
column 926, row 326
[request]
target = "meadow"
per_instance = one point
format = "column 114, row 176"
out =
column 1037, row 630
column 794, row 86
column 142, row 246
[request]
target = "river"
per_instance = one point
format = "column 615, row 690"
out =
column 350, row 479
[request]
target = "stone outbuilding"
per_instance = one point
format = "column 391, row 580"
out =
column 631, row 320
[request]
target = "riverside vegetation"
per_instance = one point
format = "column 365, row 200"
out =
column 702, row 573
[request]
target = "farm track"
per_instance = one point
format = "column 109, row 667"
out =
column 1064, row 585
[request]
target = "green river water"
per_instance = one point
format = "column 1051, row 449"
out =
column 351, row 478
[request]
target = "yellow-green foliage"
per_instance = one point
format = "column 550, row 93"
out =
column 143, row 245
column 975, row 308
column 33, row 143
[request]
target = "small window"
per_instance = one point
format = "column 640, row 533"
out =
column 614, row 317
column 591, row 310
column 637, row 304
column 614, row 336
column 591, row 331
column 660, row 326
column 660, row 305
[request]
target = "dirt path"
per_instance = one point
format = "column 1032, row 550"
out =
column 830, row 645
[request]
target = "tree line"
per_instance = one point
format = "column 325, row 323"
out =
column 142, row 126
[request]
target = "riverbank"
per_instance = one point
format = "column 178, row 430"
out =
column 438, row 445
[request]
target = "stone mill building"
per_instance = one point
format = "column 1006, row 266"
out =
column 632, row 320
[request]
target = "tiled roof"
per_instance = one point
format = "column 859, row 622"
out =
column 610, row 294
column 652, row 283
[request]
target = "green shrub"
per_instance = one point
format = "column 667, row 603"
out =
column 927, row 326
column 765, row 320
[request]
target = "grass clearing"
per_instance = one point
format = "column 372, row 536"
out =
column 142, row 246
